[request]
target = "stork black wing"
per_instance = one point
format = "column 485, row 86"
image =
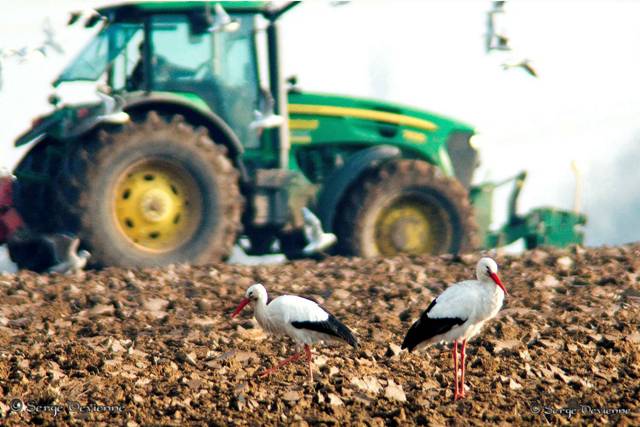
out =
column 425, row 328
column 331, row 326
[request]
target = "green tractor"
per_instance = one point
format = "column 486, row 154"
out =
column 196, row 141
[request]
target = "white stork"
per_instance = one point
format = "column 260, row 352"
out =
column 302, row 319
column 458, row 314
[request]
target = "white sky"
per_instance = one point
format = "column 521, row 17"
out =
column 430, row 54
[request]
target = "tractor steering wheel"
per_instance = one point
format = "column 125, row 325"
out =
column 203, row 70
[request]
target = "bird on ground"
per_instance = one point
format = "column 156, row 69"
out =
column 301, row 319
column 458, row 314
column 68, row 259
column 53, row 253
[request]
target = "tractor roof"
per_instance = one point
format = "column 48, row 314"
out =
column 143, row 7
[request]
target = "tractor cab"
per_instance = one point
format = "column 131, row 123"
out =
column 184, row 53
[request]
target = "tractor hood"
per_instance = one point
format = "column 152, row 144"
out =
column 320, row 119
column 315, row 104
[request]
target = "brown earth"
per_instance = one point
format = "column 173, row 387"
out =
column 158, row 346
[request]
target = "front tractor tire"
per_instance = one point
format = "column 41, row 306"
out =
column 406, row 206
column 152, row 193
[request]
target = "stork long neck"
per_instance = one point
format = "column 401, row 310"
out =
column 490, row 287
column 260, row 311
column 493, row 292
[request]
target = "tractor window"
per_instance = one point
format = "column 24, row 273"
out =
column 236, row 66
column 126, row 70
column 219, row 67
column 179, row 58
column 93, row 60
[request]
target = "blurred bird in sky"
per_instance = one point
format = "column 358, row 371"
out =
column 50, row 38
column 494, row 39
column 525, row 64
column 26, row 53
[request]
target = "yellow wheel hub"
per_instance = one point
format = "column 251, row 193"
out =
column 156, row 205
column 411, row 226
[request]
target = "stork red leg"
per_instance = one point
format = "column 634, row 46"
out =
column 463, row 362
column 281, row 364
column 307, row 350
column 456, row 394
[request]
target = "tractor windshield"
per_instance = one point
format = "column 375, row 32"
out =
column 93, row 60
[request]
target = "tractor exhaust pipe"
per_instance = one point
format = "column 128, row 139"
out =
column 577, row 197
column 278, row 89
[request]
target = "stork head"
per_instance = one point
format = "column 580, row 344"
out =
column 255, row 293
column 487, row 271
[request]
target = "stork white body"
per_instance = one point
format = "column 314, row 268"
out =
column 473, row 300
column 277, row 318
column 301, row 319
column 459, row 313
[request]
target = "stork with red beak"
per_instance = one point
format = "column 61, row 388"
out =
column 458, row 314
column 300, row 318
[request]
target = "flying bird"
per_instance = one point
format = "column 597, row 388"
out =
column 318, row 240
column 223, row 21
column 74, row 17
column 301, row 319
column 266, row 119
column 525, row 64
column 494, row 40
column 458, row 314
column 50, row 38
column 68, row 259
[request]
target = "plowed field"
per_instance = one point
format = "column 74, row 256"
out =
column 158, row 346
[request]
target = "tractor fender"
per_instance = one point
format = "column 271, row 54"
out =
column 338, row 183
column 217, row 127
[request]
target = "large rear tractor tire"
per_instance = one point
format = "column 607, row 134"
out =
column 151, row 194
column 406, row 206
